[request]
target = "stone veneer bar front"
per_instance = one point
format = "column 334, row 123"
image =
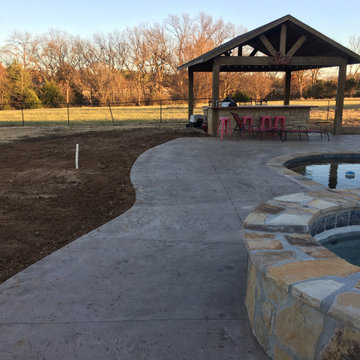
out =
column 295, row 114
column 303, row 301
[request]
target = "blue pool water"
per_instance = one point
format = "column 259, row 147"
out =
column 331, row 173
column 347, row 246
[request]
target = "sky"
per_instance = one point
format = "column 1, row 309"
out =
column 334, row 18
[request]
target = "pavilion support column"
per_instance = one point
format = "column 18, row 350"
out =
column 340, row 100
column 215, row 99
column 287, row 87
column 190, row 93
column 215, row 84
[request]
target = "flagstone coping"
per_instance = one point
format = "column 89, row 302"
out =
column 296, row 288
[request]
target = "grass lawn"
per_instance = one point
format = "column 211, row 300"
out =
column 323, row 110
column 101, row 115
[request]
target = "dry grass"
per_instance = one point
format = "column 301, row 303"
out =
column 323, row 110
column 101, row 115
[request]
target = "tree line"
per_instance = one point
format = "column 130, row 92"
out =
column 137, row 65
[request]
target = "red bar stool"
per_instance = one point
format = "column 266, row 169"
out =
column 223, row 124
column 265, row 124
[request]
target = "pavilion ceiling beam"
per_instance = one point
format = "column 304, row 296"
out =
column 297, row 45
column 307, row 61
column 267, row 44
column 283, row 40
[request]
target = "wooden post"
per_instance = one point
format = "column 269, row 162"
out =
column 340, row 100
column 287, row 87
column 283, row 40
column 215, row 84
column 191, row 93
column 215, row 97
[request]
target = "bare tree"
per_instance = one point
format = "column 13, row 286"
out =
column 300, row 79
column 111, row 49
column 139, row 63
column 191, row 37
column 258, row 84
column 159, row 57
column 57, row 58
column 354, row 44
column 3, row 86
column 21, row 48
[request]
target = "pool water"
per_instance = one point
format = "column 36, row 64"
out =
column 330, row 173
column 347, row 246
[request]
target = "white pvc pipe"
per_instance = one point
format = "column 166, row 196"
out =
column 77, row 157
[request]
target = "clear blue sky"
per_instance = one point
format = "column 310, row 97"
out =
column 334, row 18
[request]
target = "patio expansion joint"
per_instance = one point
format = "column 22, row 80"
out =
column 201, row 241
column 229, row 198
column 119, row 321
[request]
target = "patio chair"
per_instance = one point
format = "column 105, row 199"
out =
column 239, row 124
column 279, row 126
column 321, row 128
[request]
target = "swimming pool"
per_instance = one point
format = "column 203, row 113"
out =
column 345, row 245
column 330, row 172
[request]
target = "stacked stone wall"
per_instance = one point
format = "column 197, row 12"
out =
column 303, row 301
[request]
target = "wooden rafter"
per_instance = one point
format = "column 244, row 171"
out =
column 274, row 30
column 253, row 53
column 283, row 40
column 267, row 44
column 297, row 45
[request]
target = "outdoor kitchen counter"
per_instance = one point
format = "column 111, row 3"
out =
column 295, row 114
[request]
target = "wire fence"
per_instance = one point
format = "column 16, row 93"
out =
column 155, row 111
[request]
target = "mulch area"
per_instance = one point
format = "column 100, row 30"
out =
column 45, row 203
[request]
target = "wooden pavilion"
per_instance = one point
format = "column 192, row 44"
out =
column 286, row 45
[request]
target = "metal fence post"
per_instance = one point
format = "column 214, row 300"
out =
column 160, row 111
column 22, row 114
column 112, row 117
column 68, row 113
column 328, row 109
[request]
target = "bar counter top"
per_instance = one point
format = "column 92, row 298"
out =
column 259, row 107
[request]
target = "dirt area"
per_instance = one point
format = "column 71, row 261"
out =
column 46, row 203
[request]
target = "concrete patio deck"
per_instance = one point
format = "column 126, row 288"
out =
column 165, row 280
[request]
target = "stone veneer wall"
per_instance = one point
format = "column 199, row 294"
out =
column 303, row 301
column 295, row 115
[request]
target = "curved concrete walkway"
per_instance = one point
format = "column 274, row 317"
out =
column 166, row 280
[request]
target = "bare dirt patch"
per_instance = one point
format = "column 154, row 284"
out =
column 45, row 203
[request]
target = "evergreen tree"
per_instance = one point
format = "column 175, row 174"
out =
column 21, row 92
column 51, row 94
